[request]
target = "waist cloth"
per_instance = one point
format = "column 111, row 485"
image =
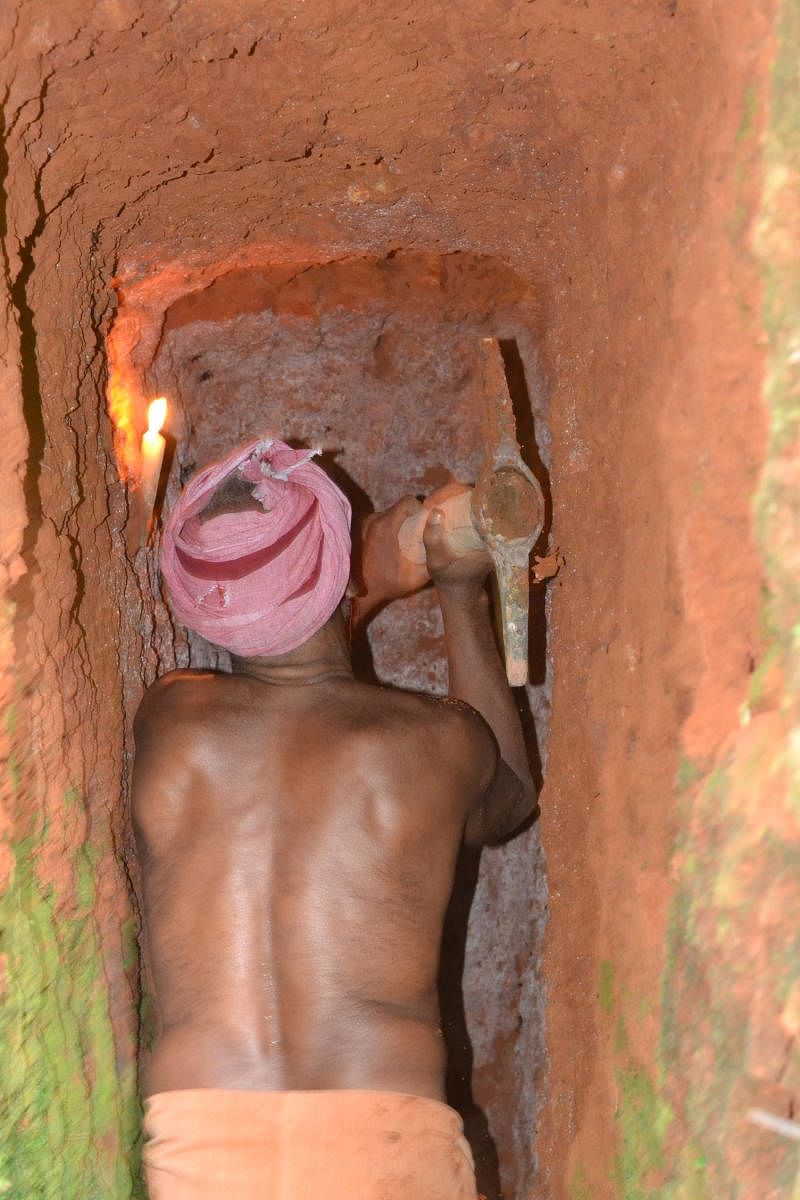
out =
column 214, row 1144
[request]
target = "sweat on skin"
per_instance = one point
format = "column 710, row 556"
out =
column 298, row 832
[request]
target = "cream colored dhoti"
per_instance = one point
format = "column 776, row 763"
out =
column 210, row 1144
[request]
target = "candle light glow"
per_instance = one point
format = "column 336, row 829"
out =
column 156, row 416
column 153, row 446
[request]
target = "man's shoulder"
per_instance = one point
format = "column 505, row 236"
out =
column 177, row 734
column 176, row 695
column 457, row 712
column 451, row 728
column 451, row 713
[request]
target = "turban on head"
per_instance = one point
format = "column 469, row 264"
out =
column 259, row 583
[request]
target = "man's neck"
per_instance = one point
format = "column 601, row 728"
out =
column 324, row 657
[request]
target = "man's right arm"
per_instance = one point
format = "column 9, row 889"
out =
column 478, row 677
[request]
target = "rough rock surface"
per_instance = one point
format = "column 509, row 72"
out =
column 611, row 157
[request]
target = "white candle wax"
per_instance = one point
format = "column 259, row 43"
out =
column 153, row 446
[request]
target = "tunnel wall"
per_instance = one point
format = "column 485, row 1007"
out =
column 69, row 951
column 634, row 164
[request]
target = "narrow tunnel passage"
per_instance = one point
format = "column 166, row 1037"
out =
column 314, row 210
column 376, row 361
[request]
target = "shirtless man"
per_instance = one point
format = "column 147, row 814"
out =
column 298, row 833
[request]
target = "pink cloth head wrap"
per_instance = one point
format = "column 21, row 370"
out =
column 259, row 582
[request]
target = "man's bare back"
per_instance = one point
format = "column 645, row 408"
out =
column 298, row 846
column 298, row 833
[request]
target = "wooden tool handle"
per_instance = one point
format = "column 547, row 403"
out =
column 513, row 587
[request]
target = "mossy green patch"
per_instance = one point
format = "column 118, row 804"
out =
column 705, row 1016
column 71, row 1119
column 688, row 774
column 694, row 1183
column 718, row 784
column 606, row 990
column 129, row 938
column 579, row 1188
column 787, row 961
column 747, row 122
column 13, row 773
column 755, row 696
column 147, row 1023
column 644, row 1119
column 644, row 1008
column 691, row 864
column 725, row 927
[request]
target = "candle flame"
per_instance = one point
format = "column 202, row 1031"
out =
column 156, row 415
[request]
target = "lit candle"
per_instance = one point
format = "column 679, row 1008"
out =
column 153, row 446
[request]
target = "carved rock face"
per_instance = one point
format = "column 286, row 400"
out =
column 304, row 216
